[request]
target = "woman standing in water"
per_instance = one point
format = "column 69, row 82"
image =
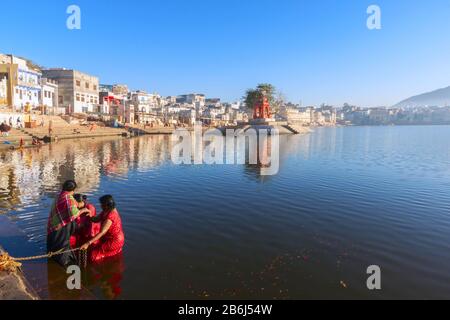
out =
column 86, row 228
column 62, row 224
column 109, row 242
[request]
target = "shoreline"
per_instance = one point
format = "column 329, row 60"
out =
column 14, row 285
column 30, row 282
column 14, row 147
column 127, row 132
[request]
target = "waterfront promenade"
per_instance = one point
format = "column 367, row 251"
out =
column 61, row 130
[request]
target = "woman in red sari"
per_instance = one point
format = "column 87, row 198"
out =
column 109, row 242
column 86, row 229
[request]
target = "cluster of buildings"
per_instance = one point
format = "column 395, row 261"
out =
column 353, row 115
column 394, row 116
column 25, row 87
column 309, row 116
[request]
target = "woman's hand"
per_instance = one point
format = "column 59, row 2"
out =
column 105, row 227
column 85, row 211
column 90, row 214
column 85, row 246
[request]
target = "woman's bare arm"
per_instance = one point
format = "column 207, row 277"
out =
column 105, row 227
column 95, row 219
column 84, row 211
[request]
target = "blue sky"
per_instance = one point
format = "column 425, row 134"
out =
column 312, row 51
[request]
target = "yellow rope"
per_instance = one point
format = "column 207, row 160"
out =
column 8, row 264
column 11, row 264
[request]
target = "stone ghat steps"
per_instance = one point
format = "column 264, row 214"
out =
column 15, row 136
column 62, row 133
column 156, row 130
column 76, row 132
column 71, row 129
column 297, row 129
column 89, row 135
column 55, row 120
column 13, row 140
column 61, row 128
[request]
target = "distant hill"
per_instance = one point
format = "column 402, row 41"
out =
column 440, row 97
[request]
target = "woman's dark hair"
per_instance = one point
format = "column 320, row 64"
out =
column 69, row 186
column 108, row 202
column 78, row 197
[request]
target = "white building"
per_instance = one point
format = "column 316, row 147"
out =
column 26, row 83
column 142, row 101
column 49, row 97
column 78, row 92
column 298, row 116
column 145, row 105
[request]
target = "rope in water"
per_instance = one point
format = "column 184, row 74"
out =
column 82, row 258
column 11, row 264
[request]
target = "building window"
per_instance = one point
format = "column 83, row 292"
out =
column 82, row 98
column 95, row 87
column 87, row 85
column 78, row 97
column 60, row 99
column 78, row 83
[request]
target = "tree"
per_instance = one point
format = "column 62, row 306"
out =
column 252, row 96
column 279, row 101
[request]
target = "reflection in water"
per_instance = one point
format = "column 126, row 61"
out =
column 25, row 176
column 344, row 199
column 107, row 276
column 29, row 179
column 57, row 285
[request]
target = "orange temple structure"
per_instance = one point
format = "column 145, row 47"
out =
column 262, row 109
column 263, row 118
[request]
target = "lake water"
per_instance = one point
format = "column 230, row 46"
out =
column 344, row 199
